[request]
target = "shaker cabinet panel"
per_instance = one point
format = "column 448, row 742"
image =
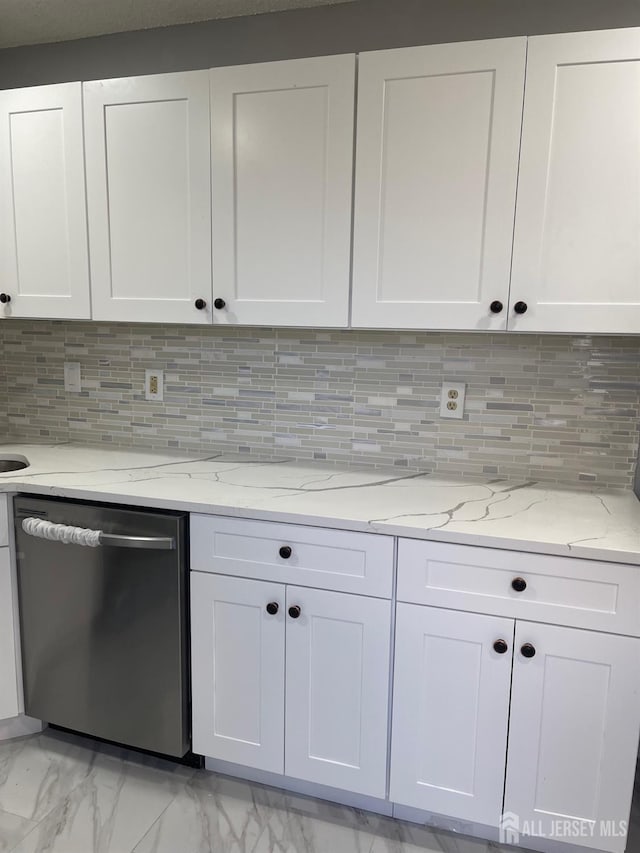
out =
column 149, row 195
column 337, row 690
column 438, row 135
column 9, row 698
column 282, row 149
column 44, row 266
column 450, row 712
column 576, row 259
column 237, row 649
column 573, row 732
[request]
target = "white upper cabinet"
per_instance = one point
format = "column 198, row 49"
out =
column 576, row 261
column 573, row 732
column 282, row 161
column 438, row 135
column 149, row 197
column 44, row 266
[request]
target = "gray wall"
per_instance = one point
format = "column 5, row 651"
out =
column 356, row 26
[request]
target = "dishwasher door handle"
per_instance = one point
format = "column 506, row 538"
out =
column 69, row 535
column 152, row 543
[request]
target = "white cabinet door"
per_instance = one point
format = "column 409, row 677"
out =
column 44, row 265
column 576, row 261
column 438, row 135
column 337, row 690
column 9, row 701
column 573, row 734
column 450, row 712
column 149, row 196
column 237, row 652
column 282, row 151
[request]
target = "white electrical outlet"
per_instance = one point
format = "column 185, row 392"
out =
column 153, row 384
column 452, row 399
column 72, row 381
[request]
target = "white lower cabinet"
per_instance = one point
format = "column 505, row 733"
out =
column 337, row 690
column 450, row 712
column 238, row 670
column 334, row 731
column 497, row 720
column 569, row 699
column 9, row 698
column 13, row 722
column 573, row 736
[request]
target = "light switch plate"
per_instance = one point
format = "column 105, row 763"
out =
column 72, row 380
column 452, row 399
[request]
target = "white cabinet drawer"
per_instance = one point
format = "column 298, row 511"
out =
column 4, row 520
column 563, row 590
column 327, row 559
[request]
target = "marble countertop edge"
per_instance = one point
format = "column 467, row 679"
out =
column 518, row 516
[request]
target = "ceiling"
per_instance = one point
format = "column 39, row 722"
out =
column 37, row 21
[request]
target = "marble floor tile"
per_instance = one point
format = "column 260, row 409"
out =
column 109, row 811
column 401, row 837
column 94, row 798
column 216, row 813
column 229, row 816
column 13, row 828
column 37, row 772
column 144, row 759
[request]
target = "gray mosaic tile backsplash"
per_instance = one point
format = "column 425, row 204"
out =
column 551, row 408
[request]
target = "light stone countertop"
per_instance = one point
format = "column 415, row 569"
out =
column 494, row 513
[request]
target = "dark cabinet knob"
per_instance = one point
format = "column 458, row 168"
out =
column 527, row 651
column 496, row 307
column 520, row 307
column 4, row 298
column 272, row 608
column 219, row 303
column 294, row 611
column 519, row 584
column 285, row 552
column 200, row 304
column 500, row 646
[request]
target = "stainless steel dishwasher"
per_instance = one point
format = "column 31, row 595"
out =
column 103, row 623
